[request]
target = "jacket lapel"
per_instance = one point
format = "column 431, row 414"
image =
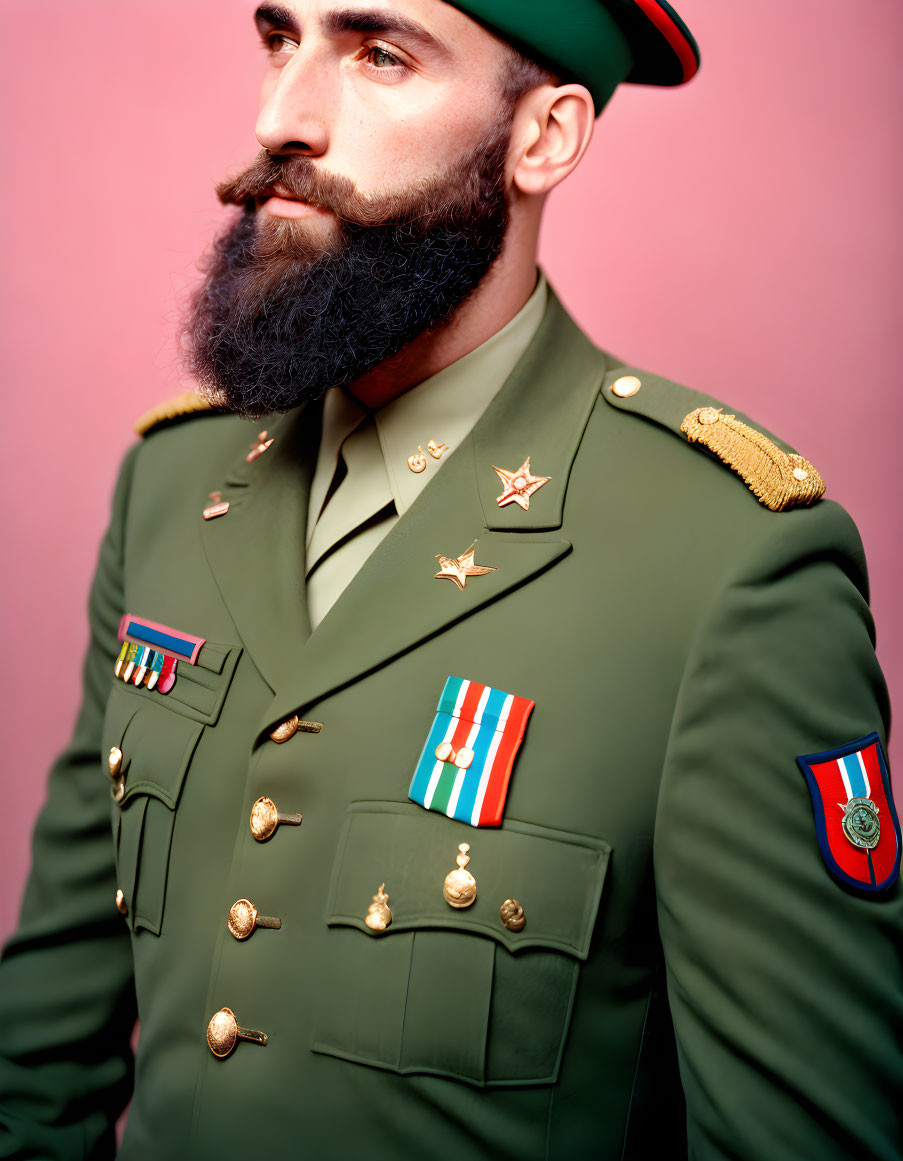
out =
column 394, row 602
column 256, row 551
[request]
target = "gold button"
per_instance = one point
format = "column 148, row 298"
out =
column 223, row 1033
column 512, row 915
column 708, row 415
column 800, row 474
column 291, row 726
column 244, row 917
column 285, row 730
column 265, row 818
column 121, row 906
column 626, row 386
column 115, row 760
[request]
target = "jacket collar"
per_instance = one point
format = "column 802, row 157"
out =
column 256, row 551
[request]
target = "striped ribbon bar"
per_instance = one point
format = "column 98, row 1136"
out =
column 479, row 729
column 169, row 642
column 150, row 652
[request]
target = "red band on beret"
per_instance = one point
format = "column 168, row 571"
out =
column 673, row 35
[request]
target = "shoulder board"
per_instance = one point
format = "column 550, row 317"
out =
column 774, row 473
column 177, row 406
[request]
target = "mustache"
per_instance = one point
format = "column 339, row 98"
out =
column 433, row 201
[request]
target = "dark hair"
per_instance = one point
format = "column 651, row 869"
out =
column 520, row 73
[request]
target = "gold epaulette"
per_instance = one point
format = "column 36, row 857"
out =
column 185, row 403
column 777, row 478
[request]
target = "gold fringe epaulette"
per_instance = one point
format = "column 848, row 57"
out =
column 185, row 403
column 778, row 479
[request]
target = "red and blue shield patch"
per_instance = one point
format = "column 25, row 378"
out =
column 855, row 818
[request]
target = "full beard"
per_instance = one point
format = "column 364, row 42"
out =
column 281, row 317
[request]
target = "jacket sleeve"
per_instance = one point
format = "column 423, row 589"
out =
column 785, row 987
column 67, row 999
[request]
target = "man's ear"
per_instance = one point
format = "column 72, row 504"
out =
column 552, row 128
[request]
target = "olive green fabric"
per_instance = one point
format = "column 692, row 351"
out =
column 379, row 486
column 690, row 979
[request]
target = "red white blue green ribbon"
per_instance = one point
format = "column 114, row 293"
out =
column 491, row 724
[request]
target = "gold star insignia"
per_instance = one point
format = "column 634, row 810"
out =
column 459, row 568
column 519, row 485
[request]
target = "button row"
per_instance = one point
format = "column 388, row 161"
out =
column 223, row 1030
column 264, row 815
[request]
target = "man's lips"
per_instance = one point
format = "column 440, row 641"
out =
column 282, row 204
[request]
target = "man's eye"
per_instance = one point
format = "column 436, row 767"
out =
column 278, row 44
column 381, row 59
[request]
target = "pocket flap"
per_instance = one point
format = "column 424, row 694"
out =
column 555, row 876
column 156, row 746
column 200, row 689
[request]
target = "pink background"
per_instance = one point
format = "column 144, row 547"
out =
column 740, row 235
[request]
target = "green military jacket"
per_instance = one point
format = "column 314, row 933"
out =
column 689, row 979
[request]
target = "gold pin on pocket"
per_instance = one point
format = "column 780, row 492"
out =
column 460, row 887
column 379, row 915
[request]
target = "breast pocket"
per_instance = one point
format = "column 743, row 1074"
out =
column 157, row 735
column 456, row 992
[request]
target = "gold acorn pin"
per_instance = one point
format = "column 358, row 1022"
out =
column 379, row 915
column 460, row 887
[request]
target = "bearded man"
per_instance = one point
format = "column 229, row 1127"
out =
column 496, row 763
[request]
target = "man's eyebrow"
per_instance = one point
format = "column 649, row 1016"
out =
column 275, row 16
column 376, row 21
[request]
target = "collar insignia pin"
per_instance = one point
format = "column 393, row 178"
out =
column 417, row 461
column 519, row 485
column 459, row 568
column 257, row 449
column 219, row 507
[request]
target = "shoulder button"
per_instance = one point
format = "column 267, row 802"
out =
column 626, row 386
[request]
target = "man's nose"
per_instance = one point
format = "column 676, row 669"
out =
column 292, row 116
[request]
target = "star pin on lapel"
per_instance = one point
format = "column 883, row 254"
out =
column 519, row 485
column 459, row 568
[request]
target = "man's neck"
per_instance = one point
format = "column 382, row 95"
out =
column 498, row 298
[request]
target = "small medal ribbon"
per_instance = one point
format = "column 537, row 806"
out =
column 854, row 776
column 477, row 730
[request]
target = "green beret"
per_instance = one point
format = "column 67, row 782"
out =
column 599, row 43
